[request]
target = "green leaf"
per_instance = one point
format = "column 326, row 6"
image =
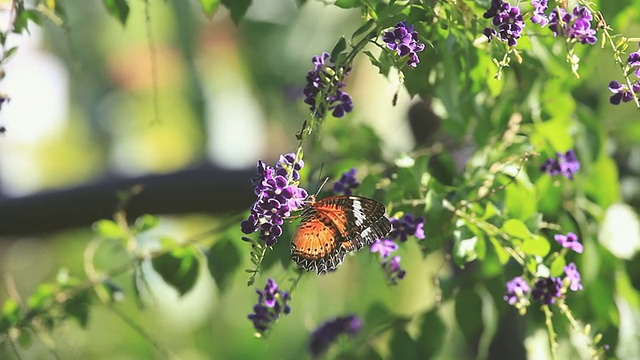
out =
column 10, row 314
column 78, row 307
column 209, row 7
column 490, row 211
column 118, row 9
column 363, row 29
column 178, row 268
column 432, row 335
column 516, row 229
column 22, row 19
column 468, row 310
column 145, row 222
column 9, row 53
column 557, row 266
column 402, row 346
column 503, row 255
column 338, row 48
column 464, row 246
column 536, row 245
column 108, row 229
column 347, row 4
column 25, row 339
column 238, row 8
column 223, row 259
column 533, row 222
column 43, row 295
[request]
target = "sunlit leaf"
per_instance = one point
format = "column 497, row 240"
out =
column 108, row 229
column 516, row 229
column 347, row 4
column 144, row 223
column 535, row 245
column 557, row 266
column 209, row 7
column 464, row 246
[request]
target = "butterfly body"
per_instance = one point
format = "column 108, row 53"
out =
column 332, row 227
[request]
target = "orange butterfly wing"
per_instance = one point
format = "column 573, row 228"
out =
column 336, row 225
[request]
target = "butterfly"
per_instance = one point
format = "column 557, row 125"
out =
column 332, row 227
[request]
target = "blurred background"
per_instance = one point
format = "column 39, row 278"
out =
column 84, row 115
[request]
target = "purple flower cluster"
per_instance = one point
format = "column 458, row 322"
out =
column 547, row 290
column 634, row 61
column 271, row 304
column 573, row 277
column 346, row 183
column 384, row 247
column 390, row 265
column 407, row 226
column 325, row 80
column 569, row 241
column 539, row 9
column 574, row 26
column 507, row 20
column 622, row 92
column 278, row 194
column 327, row 333
column 565, row 164
column 404, row 41
column 393, row 271
column 517, row 290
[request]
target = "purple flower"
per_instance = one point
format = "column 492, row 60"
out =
column 404, row 41
column 569, row 241
column 384, row 247
column 390, row 265
column 322, row 91
column 621, row 92
column 327, row 333
column 517, row 289
column 271, row 304
column 565, row 164
column 407, row 226
column 507, row 20
column 634, row 61
column 392, row 269
column 573, row 276
column 346, row 183
column 576, row 26
column 278, row 194
column 539, row 8
column 547, row 290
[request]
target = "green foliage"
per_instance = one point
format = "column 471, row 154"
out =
column 179, row 268
column 490, row 211
column 119, row 9
column 209, row 7
column 223, row 259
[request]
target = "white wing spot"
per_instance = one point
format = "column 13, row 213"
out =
column 358, row 214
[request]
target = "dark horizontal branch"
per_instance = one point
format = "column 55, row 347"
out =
column 203, row 189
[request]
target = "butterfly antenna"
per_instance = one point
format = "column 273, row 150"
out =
column 321, row 186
